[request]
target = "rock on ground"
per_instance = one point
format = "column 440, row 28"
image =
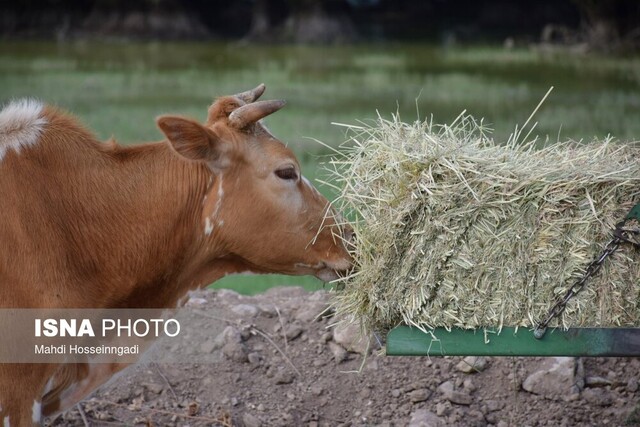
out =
column 554, row 378
column 425, row 418
column 349, row 336
column 472, row 364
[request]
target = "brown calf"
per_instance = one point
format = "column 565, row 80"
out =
column 93, row 225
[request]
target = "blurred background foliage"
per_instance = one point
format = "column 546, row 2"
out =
column 603, row 25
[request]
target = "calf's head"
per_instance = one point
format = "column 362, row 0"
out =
column 258, row 207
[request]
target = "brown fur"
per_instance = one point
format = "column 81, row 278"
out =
column 93, row 225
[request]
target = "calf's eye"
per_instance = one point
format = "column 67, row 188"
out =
column 287, row 173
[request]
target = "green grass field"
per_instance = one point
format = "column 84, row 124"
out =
column 118, row 89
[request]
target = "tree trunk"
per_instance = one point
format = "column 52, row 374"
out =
column 163, row 19
column 610, row 25
column 305, row 21
column 261, row 25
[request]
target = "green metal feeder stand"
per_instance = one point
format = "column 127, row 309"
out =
column 408, row 341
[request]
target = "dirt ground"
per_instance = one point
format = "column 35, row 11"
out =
column 273, row 362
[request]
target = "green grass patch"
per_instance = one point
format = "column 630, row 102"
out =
column 251, row 284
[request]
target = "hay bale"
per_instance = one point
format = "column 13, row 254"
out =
column 455, row 229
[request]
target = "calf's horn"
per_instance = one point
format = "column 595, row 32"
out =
column 251, row 95
column 251, row 113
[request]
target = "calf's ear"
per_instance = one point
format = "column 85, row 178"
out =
column 191, row 140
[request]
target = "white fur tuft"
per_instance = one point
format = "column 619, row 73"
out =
column 36, row 412
column 20, row 125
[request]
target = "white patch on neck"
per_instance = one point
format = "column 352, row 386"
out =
column 208, row 226
column 36, row 412
column 208, row 222
column 20, row 125
column 219, row 201
column 6, row 422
